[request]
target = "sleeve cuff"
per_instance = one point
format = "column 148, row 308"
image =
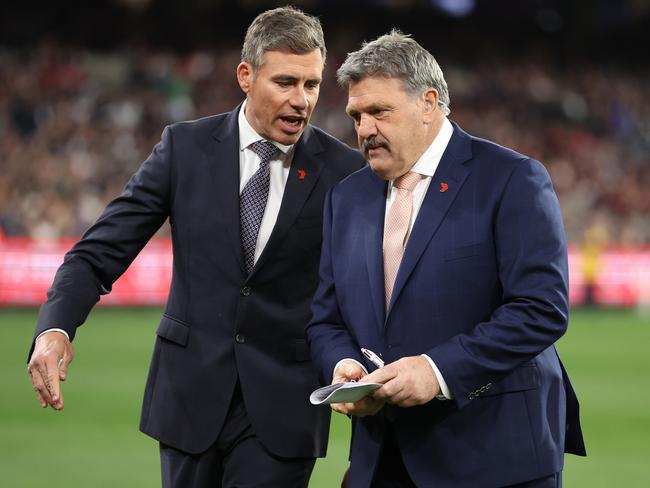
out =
column 53, row 329
column 445, row 393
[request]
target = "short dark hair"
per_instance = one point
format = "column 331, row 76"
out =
column 283, row 29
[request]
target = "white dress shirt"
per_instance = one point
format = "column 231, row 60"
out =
column 426, row 165
column 249, row 162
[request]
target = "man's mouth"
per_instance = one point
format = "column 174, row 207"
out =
column 294, row 121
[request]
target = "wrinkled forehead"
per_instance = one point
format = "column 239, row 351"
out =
column 375, row 91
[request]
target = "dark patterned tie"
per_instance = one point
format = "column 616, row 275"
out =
column 252, row 201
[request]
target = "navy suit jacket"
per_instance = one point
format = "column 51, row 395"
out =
column 482, row 289
column 219, row 325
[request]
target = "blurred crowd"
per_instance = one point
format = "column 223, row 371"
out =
column 75, row 124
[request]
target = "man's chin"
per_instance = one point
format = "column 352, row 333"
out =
column 380, row 169
column 288, row 138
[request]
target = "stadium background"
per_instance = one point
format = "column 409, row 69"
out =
column 86, row 88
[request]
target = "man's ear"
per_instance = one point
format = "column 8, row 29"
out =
column 430, row 98
column 244, row 76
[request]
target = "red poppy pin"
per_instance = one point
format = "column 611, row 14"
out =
column 301, row 174
column 443, row 187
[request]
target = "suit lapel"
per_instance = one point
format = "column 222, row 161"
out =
column 443, row 189
column 373, row 229
column 225, row 175
column 305, row 171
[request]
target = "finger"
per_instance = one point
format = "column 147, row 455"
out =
column 403, row 398
column 366, row 407
column 388, row 391
column 50, row 374
column 340, row 408
column 63, row 365
column 39, row 387
column 36, row 386
column 39, row 397
column 372, row 406
column 381, row 375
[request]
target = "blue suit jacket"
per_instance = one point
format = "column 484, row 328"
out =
column 482, row 289
column 220, row 325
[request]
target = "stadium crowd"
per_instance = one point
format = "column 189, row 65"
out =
column 75, row 124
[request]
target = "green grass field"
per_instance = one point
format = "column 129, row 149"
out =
column 95, row 441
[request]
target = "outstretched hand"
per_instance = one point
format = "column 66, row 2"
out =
column 48, row 366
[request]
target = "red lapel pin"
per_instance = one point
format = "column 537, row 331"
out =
column 301, row 174
column 443, row 187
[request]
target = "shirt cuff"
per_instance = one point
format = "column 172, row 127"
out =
column 53, row 329
column 365, row 371
column 445, row 393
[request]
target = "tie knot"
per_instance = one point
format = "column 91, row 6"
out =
column 408, row 181
column 264, row 149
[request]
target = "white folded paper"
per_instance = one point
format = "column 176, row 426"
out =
column 342, row 392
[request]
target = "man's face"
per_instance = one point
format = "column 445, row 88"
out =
column 281, row 93
column 391, row 125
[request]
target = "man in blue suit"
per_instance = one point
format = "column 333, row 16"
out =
column 230, row 376
column 447, row 258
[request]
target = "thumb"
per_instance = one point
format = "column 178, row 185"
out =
column 382, row 375
column 65, row 360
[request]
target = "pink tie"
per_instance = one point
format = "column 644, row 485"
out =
column 396, row 229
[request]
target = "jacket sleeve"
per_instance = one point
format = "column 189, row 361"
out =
column 532, row 264
column 328, row 337
column 110, row 245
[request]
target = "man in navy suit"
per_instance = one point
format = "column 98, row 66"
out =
column 447, row 258
column 230, row 375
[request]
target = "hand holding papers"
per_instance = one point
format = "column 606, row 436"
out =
column 347, row 391
column 342, row 392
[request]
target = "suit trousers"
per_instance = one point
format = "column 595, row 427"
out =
column 236, row 460
column 391, row 472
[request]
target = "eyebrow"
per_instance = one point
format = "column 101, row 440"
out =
column 374, row 107
column 290, row 78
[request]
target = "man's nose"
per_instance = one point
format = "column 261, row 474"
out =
column 367, row 126
column 299, row 99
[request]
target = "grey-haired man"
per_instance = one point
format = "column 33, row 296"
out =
column 446, row 257
column 230, row 376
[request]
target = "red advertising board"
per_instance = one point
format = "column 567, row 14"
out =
column 27, row 268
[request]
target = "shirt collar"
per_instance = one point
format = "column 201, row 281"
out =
column 428, row 163
column 248, row 136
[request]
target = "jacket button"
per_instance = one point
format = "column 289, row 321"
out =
column 246, row 291
column 240, row 338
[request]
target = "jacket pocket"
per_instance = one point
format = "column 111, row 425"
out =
column 460, row 252
column 173, row 330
